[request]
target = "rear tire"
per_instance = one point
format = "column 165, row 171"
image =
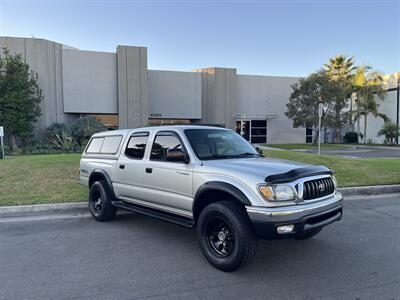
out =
column 308, row 234
column 100, row 202
column 226, row 235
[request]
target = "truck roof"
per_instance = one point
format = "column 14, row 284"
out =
column 151, row 128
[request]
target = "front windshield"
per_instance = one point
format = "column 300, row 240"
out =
column 219, row 144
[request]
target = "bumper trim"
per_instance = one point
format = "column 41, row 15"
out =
column 293, row 212
column 305, row 216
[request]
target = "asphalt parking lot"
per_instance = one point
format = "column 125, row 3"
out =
column 136, row 257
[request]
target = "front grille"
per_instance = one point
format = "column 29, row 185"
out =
column 318, row 188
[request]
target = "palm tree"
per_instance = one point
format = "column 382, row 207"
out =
column 341, row 69
column 390, row 131
column 367, row 84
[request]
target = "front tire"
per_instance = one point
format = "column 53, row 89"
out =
column 226, row 235
column 100, row 202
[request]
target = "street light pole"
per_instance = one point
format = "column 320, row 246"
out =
column 319, row 124
column 398, row 108
column 1, row 141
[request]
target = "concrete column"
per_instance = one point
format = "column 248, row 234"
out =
column 132, row 86
column 218, row 96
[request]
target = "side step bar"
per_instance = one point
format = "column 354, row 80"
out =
column 155, row 213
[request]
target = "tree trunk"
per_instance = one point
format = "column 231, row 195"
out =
column 365, row 128
column 14, row 144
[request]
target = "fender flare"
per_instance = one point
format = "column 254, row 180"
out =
column 220, row 186
column 103, row 175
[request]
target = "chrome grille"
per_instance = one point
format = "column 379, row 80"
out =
column 318, row 188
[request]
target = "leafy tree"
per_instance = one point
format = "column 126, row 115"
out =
column 20, row 96
column 390, row 131
column 304, row 100
column 368, row 86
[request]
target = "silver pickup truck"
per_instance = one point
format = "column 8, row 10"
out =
column 210, row 179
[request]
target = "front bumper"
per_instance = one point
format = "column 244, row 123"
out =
column 304, row 217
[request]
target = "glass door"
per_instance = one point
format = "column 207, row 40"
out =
column 258, row 131
column 243, row 128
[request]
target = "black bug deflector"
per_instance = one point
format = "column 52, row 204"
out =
column 298, row 173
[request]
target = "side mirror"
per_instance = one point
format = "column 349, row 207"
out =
column 259, row 151
column 177, row 155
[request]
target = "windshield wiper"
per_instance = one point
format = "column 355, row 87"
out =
column 240, row 155
column 246, row 154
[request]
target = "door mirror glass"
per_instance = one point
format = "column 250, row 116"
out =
column 176, row 155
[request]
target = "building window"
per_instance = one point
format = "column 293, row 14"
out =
column 309, row 135
column 254, row 131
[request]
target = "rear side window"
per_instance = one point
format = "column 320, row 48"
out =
column 104, row 145
column 111, row 144
column 95, row 145
column 137, row 145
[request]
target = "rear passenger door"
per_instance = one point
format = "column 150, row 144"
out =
column 168, row 183
column 129, row 172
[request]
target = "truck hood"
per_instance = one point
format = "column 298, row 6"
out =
column 256, row 168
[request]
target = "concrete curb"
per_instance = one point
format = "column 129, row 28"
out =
column 82, row 207
column 37, row 209
column 370, row 190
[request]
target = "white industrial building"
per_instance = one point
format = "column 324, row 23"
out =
column 122, row 92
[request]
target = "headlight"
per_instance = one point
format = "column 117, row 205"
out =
column 277, row 192
column 334, row 180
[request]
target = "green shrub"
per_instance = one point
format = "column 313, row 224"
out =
column 73, row 137
column 83, row 128
column 39, row 148
column 57, row 129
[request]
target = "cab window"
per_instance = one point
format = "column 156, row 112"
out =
column 163, row 142
column 137, row 145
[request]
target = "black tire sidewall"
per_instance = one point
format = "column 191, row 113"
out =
column 239, row 228
column 108, row 211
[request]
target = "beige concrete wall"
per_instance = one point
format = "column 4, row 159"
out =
column 267, row 96
column 174, row 95
column 89, row 82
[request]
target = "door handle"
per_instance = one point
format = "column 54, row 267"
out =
column 149, row 170
column 122, row 166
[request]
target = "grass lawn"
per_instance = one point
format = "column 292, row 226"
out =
column 349, row 172
column 324, row 146
column 310, row 146
column 34, row 179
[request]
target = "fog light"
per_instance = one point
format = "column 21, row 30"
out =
column 285, row 229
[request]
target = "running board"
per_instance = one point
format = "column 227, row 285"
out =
column 155, row 213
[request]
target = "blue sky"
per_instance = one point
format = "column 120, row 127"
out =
column 290, row 38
